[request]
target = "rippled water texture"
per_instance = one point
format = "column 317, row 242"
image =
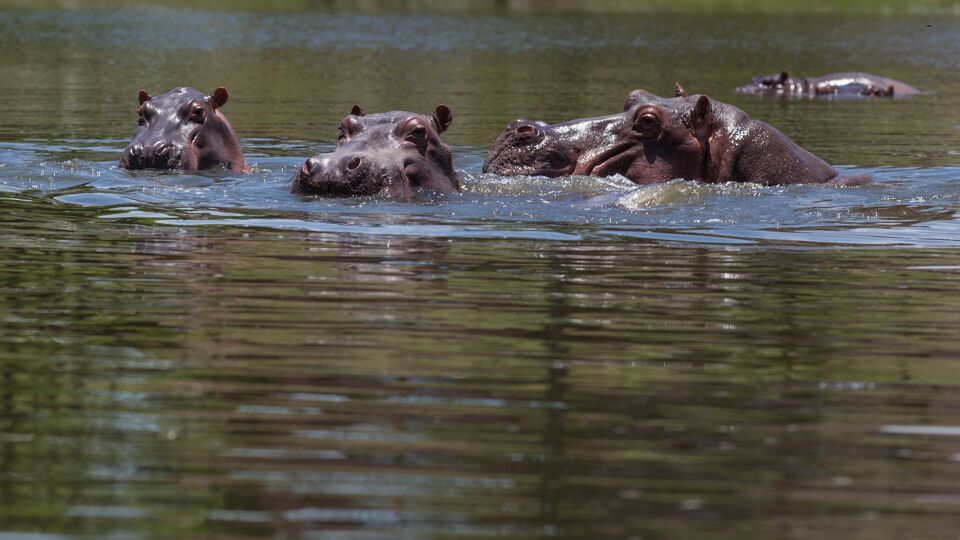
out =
column 208, row 356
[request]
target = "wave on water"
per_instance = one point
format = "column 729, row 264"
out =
column 913, row 207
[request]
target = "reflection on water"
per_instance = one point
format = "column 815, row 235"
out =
column 208, row 356
column 246, row 382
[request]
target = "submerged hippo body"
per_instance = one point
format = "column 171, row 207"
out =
column 846, row 84
column 183, row 129
column 656, row 140
column 393, row 153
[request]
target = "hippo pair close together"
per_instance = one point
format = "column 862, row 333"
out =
column 393, row 153
column 396, row 153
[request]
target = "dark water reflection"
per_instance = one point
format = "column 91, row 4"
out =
column 252, row 383
column 210, row 357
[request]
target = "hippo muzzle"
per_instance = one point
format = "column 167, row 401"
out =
column 535, row 148
column 159, row 155
column 347, row 174
column 532, row 148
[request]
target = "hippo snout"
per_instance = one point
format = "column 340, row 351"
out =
column 340, row 174
column 161, row 155
column 327, row 166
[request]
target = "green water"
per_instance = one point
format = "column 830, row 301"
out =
column 191, row 356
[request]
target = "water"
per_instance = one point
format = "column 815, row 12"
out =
column 208, row 356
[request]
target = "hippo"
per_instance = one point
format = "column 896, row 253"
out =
column 183, row 130
column 396, row 154
column 847, row 84
column 660, row 139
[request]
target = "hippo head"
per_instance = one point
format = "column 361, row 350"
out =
column 777, row 83
column 657, row 139
column 651, row 141
column 393, row 153
column 183, row 130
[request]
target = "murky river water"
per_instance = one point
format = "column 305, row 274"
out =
column 211, row 357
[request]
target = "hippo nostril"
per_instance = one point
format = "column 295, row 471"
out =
column 136, row 150
column 525, row 129
column 354, row 163
column 309, row 166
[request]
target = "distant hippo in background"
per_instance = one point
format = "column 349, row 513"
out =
column 660, row 139
column 848, row 84
column 393, row 153
column 183, row 130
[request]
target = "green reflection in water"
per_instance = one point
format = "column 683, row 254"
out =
column 226, row 380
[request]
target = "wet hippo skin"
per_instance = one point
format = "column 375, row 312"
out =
column 846, row 84
column 597, row 146
column 659, row 139
column 394, row 154
column 183, row 129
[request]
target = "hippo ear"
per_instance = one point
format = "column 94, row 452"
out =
column 218, row 98
column 784, row 76
column 144, row 96
column 357, row 111
column 442, row 117
column 680, row 91
column 701, row 115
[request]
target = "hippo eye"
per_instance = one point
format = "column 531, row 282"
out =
column 646, row 123
column 196, row 114
column 418, row 132
column 141, row 121
column 341, row 133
